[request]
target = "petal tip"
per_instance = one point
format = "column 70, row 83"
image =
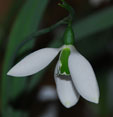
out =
column 94, row 99
column 9, row 73
column 14, row 73
column 68, row 104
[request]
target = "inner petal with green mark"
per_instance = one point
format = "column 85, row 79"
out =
column 64, row 69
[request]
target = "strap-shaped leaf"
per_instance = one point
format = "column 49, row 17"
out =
column 7, row 21
column 94, row 23
column 26, row 23
column 0, row 37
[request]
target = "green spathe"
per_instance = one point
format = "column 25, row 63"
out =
column 64, row 70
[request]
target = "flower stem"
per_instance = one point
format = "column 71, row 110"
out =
column 69, row 8
column 39, row 33
column 33, row 36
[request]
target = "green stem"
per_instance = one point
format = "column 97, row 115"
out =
column 69, row 8
column 39, row 33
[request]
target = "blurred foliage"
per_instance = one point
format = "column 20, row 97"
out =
column 7, row 22
column 94, row 23
column 0, row 36
column 103, row 106
column 26, row 22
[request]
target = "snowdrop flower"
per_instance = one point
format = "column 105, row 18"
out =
column 73, row 74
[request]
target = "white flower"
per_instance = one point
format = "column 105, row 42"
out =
column 73, row 74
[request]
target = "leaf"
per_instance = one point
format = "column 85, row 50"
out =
column 27, row 22
column 95, row 45
column 94, row 23
column 0, row 37
column 7, row 21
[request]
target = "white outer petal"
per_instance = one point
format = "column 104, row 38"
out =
column 83, row 76
column 66, row 91
column 34, row 62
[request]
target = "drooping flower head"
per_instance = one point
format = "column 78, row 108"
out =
column 73, row 74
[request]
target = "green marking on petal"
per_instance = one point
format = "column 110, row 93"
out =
column 64, row 70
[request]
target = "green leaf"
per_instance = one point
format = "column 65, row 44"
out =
column 26, row 23
column 7, row 21
column 35, row 80
column 94, row 23
column 95, row 45
column 0, row 37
